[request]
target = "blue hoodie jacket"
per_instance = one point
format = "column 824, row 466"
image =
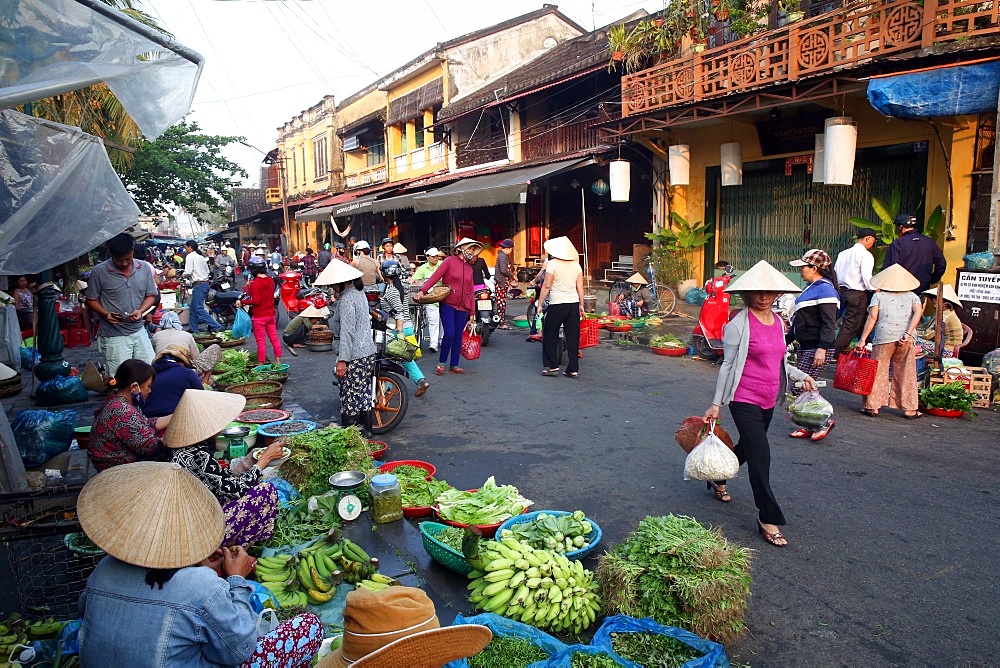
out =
column 814, row 324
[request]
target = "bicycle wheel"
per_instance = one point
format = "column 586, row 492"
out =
column 666, row 298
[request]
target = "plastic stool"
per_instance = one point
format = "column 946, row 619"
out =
column 65, row 337
column 26, row 334
column 78, row 336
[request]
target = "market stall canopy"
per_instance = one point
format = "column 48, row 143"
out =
column 951, row 90
column 490, row 189
column 346, row 208
column 56, row 46
column 59, row 195
column 396, row 203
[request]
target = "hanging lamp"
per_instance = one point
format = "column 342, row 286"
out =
column 599, row 187
column 732, row 164
column 621, row 180
column 839, row 146
column 679, row 163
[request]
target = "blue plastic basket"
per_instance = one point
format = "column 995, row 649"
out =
column 595, row 535
column 265, row 429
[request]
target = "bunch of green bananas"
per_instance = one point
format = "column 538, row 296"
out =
column 537, row 587
column 354, row 562
column 47, row 628
column 377, row 582
column 277, row 573
column 12, row 632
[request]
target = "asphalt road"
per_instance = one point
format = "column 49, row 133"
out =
column 892, row 524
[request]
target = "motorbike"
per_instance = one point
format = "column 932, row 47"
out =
column 712, row 319
column 486, row 316
column 296, row 298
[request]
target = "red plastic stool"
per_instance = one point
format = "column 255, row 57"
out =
column 65, row 337
column 78, row 336
column 27, row 334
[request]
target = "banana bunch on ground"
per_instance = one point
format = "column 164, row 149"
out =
column 377, row 582
column 355, row 562
column 278, row 574
column 15, row 630
column 537, row 587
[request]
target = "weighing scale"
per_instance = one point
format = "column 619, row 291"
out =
column 347, row 484
column 237, row 446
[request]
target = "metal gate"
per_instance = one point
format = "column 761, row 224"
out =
column 775, row 216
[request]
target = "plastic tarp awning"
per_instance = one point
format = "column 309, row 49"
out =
column 49, row 47
column 945, row 91
column 396, row 203
column 59, row 195
column 490, row 189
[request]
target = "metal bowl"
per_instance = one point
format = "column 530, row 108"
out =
column 235, row 432
column 347, row 480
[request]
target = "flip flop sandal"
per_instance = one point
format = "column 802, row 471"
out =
column 869, row 412
column 550, row 372
column 571, row 374
column 915, row 416
column 456, row 369
column 439, row 370
column 720, row 494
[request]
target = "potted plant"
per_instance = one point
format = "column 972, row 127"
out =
column 676, row 242
column 792, row 10
column 947, row 400
column 885, row 227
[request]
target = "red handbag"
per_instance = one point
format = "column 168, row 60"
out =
column 472, row 342
column 856, row 372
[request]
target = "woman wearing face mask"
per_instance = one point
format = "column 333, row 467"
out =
column 455, row 272
column 121, row 433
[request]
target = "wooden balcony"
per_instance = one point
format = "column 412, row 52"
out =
column 558, row 137
column 481, row 150
column 856, row 35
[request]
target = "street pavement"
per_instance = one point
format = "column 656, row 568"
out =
column 892, row 523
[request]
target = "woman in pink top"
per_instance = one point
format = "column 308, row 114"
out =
column 752, row 380
column 456, row 273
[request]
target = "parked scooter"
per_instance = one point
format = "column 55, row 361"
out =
column 296, row 298
column 707, row 336
column 486, row 316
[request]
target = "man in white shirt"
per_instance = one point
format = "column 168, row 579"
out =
column 196, row 269
column 854, row 273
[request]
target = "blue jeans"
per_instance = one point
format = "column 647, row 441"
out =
column 198, row 313
column 453, row 321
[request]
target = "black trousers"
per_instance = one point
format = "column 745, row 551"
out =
column 754, row 449
column 567, row 315
column 855, row 303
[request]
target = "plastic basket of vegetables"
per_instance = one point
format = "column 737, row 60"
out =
column 447, row 556
column 669, row 345
column 555, row 530
column 485, row 508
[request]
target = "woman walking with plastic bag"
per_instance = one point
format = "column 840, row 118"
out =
column 752, row 381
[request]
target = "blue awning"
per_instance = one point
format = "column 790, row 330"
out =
column 946, row 91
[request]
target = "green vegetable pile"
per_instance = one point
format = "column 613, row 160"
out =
column 948, row 396
column 452, row 537
column 582, row 660
column 666, row 341
column 560, row 533
column 295, row 524
column 234, row 368
column 504, row 652
column 653, row 650
column 680, row 573
column 236, row 376
column 490, row 504
column 235, row 359
column 417, row 491
column 317, row 455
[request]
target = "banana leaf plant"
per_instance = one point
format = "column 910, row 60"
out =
column 885, row 227
column 681, row 235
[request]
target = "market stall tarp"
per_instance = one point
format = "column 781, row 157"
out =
column 57, row 46
column 945, row 91
column 490, row 189
column 59, row 195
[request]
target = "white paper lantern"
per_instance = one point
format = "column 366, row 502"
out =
column 621, row 180
column 679, row 162
column 732, row 164
column 839, row 145
column 819, row 168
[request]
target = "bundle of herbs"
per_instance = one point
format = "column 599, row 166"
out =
column 680, row 573
column 296, row 523
column 417, row 490
column 949, row 397
column 508, row 652
column 316, row 455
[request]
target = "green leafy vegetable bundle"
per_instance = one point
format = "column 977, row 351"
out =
column 507, row 652
column 666, row 341
column 653, row 650
column 417, row 491
column 560, row 533
column 490, row 504
column 235, row 359
column 948, row 396
column 296, row 524
column 680, row 573
column 316, row 455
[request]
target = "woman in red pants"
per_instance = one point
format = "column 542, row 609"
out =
column 258, row 294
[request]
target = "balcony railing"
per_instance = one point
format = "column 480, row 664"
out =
column 379, row 174
column 556, row 138
column 482, row 149
column 850, row 37
column 438, row 153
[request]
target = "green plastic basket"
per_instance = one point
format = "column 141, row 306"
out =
column 440, row 552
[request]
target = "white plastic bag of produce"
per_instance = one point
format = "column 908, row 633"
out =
column 711, row 460
column 811, row 410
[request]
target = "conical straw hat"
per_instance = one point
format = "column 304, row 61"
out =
column 6, row 373
column 313, row 312
column 762, row 277
column 201, row 414
column 398, row 248
column 337, row 272
column 947, row 292
column 637, row 278
column 465, row 241
column 151, row 514
column 561, row 248
column 895, row 278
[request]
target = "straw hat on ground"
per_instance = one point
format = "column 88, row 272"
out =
column 398, row 248
column 201, row 414
column 313, row 312
column 207, row 359
column 151, row 514
column 337, row 272
column 561, row 248
column 947, row 292
column 762, row 277
column 6, row 373
column 895, row 278
column 464, row 241
column 398, row 626
column 636, row 279
column 176, row 351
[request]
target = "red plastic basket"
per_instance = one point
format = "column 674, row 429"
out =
column 589, row 333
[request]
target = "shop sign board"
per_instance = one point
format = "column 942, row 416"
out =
column 979, row 287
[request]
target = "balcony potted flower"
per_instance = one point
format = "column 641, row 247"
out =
column 792, row 10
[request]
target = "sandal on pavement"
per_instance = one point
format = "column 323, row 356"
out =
column 870, row 412
column 771, row 538
column 439, row 370
column 571, row 374
column 820, row 434
column 550, row 372
column 456, row 369
column 720, row 494
column 915, row 416
column 801, row 432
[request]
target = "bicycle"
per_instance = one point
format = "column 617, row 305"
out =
column 663, row 295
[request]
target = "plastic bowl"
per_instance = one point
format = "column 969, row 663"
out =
column 595, row 535
column 389, row 466
column 441, row 553
column 944, row 412
column 272, row 368
column 487, row 530
column 270, row 436
column 285, row 453
column 377, row 448
column 670, row 352
column 417, row 512
column 276, row 416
